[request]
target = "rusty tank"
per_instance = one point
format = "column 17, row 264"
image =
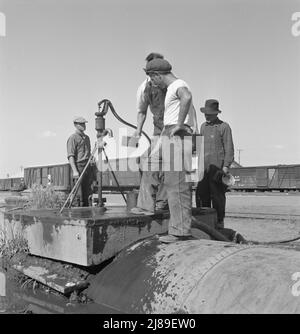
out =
column 199, row 276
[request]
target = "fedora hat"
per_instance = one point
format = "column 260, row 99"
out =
column 228, row 180
column 211, row 107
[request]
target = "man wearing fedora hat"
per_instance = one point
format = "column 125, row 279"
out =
column 218, row 156
column 79, row 152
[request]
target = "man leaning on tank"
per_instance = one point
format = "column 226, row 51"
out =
column 152, row 194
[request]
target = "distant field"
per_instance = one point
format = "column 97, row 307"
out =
column 275, row 203
column 264, row 216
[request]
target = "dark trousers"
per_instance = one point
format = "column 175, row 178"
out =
column 211, row 191
column 85, row 190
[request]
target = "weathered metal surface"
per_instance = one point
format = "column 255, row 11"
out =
column 53, row 280
column 199, row 277
column 59, row 276
column 18, row 299
column 85, row 236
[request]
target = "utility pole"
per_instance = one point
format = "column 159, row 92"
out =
column 239, row 153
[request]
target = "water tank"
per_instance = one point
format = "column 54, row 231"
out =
column 200, row 276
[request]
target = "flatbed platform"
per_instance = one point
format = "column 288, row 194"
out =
column 88, row 236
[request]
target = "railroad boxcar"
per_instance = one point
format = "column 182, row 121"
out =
column 12, row 184
column 263, row 178
column 57, row 175
column 275, row 177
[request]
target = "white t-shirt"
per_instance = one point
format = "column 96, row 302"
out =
column 172, row 106
column 141, row 103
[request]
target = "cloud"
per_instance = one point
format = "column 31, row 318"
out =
column 279, row 146
column 47, row 134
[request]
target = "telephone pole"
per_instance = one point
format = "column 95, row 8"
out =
column 239, row 154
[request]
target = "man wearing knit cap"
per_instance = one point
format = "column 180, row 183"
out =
column 179, row 123
column 152, row 195
column 218, row 156
column 79, row 152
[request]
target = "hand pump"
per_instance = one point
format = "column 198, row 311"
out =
column 101, row 133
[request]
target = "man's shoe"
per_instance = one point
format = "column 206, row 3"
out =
column 140, row 211
column 169, row 238
column 239, row 239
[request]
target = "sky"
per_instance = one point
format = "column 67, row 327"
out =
column 59, row 58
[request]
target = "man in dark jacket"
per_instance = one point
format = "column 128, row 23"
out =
column 218, row 156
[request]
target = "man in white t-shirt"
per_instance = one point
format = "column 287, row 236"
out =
column 180, row 122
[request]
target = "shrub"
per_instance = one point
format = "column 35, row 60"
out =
column 9, row 248
column 45, row 198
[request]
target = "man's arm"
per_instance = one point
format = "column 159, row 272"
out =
column 228, row 148
column 142, row 106
column 185, row 97
column 71, row 150
column 141, row 117
column 73, row 166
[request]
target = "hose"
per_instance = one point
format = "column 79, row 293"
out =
column 210, row 231
column 283, row 241
column 216, row 235
column 120, row 119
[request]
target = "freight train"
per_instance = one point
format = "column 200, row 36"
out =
column 256, row 178
column 60, row 176
column 267, row 178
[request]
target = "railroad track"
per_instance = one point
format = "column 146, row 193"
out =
column 262, row 215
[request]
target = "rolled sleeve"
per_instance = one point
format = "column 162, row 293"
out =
column 228, row 146
column 142, row 102
column 71, row 147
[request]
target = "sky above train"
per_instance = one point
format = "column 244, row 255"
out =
column 59, row 58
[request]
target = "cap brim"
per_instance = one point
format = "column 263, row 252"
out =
column 156, row 71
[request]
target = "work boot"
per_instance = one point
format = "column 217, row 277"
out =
column 169, row 238
column 239, row 239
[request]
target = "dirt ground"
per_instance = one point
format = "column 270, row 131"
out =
column 264, row 217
